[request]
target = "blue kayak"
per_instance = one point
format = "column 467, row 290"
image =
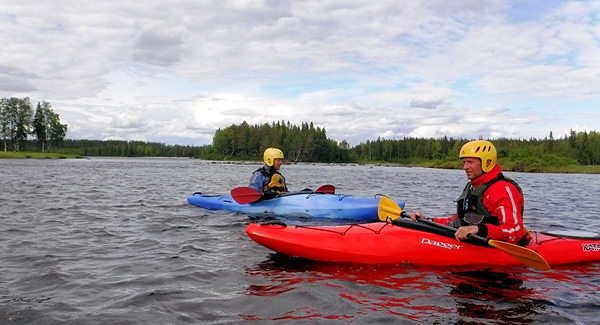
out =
column 298, row 204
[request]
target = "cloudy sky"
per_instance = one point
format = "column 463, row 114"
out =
column 174, row 71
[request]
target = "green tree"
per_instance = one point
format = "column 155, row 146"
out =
column 4, row 121
column 41, row 123
column 21, row 115
column 10, row 113
column 56, row 131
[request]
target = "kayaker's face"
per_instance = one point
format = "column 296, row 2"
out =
column 472, row 167
column 277, row 163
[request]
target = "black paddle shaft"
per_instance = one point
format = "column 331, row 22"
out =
column 438, row 228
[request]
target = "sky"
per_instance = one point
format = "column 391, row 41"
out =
column 175, row 71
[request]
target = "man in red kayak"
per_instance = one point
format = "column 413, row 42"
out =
column 491, row 204
column 268, row 179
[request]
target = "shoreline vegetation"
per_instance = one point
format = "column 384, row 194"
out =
column 37, row 155
column 506, row 166
column 577, row 152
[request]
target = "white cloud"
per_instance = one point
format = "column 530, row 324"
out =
column 181, row 69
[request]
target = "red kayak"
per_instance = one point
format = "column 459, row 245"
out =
column 385, row 243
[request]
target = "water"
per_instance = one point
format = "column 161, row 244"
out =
column 113, row 241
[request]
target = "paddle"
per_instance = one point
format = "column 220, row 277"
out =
column 388, row 210
column 326, row 189
column 245, row 194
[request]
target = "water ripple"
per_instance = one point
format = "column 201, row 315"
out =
column 113, row 241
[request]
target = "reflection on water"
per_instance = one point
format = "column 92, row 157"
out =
column 494, row 295
column 360, row 289
column 421, row 294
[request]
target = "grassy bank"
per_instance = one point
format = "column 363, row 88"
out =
column 37, row 155
column 506, row 165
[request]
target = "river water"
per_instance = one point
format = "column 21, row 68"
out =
column 113, row 241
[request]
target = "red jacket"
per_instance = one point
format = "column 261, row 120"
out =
column 504, row 202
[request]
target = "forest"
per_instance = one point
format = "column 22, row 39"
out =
column 307, row 143
column 303, row 143
column 18, row 122
column 547, row 154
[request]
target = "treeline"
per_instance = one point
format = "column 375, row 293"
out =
column 577, row 148
column 121, row 148
column 304, row 143
column 299, row 143
column 18, row 122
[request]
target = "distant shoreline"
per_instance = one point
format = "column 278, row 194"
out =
column 37, row 155
column 507, row 166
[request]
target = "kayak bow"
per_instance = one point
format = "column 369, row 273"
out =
column 386, row 243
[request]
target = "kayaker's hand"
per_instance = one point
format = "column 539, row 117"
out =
column 269, row 194
column 415, row 215
column 462, row 232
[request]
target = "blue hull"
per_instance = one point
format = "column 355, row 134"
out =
column 309, row 205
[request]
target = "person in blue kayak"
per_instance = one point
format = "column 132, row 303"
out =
column 268, row 179
column 491, row 204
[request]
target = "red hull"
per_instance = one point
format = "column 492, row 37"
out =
column 381, row 243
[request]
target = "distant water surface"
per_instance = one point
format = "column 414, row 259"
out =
column 113, row 241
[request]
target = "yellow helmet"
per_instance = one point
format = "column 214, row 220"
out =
column 270, row 155
column 484, row 150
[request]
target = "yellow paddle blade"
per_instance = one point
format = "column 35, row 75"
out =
column 523, row 254
column 388, row 210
